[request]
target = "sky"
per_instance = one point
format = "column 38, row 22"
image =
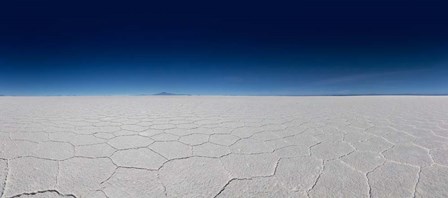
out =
column 301, row 47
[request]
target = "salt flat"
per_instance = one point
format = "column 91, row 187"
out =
column 224, row 146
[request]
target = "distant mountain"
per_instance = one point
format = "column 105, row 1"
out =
column 169, row 94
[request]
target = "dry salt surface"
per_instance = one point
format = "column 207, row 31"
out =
column 224, row 147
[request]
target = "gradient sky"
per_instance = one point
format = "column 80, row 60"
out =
column 223, row 47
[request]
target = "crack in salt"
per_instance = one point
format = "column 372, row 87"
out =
column 44, row 191
column 317, row 179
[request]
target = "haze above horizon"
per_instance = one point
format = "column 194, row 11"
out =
column 298, row 47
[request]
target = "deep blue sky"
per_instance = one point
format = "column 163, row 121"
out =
column 223, row 47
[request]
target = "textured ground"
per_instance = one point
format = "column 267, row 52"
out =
column 224, row 146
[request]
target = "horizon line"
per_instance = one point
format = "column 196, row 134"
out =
column 186, row 95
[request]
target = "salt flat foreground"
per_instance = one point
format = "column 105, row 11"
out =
column 224, row 146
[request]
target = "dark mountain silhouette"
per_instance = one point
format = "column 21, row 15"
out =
column 169, row 94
